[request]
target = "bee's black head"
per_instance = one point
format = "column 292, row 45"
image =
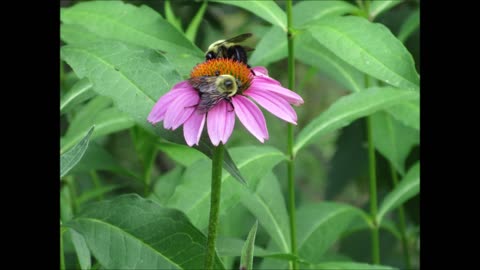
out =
column 210, row 55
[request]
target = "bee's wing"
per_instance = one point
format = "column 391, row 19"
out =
column 239, row 38
column 204, row 84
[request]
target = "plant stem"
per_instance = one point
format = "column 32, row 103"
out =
column 217, row 161
column 402, row 225
column 62, row 255
column 290, row 138
column 373, row 189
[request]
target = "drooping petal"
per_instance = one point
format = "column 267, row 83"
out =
column 192, row 128
column 220, row 122
column 261, row 72
column 158, row 111
column 265, row 84
column 180, row 109
column 251, row 117
column 274, row 104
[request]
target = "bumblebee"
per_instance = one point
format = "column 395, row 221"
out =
column 214, row 89
column 229, row 49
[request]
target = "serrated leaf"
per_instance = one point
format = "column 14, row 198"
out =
column 411, row 24
column 81, row 91
column 69, row 159
column 311, row 52
column 406, row 189
column 265, row 9
column 192, row 195
column 246, row 260
column 350, row 108
column 393, row 139
column 134, row 78
column 142, row 26
column 130, row 232
column 266, row 203
column 81, row 248
column 350, row 266
column 369, row 47
column 319, row 225
column 378, row 7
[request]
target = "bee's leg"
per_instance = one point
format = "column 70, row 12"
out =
column 251, row 70
column 229, row 100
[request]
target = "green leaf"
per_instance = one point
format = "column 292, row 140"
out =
column 369, row 47
column 409, row 26
column 246, row 260
column 311, row 52
column 134, row 77
column 130, row 232
column 393, row 139
column 319, row 225
column 83, row 253
column 69, row 159
column 349, row 108
column 142, row 26
column 408, row 113
column 271, row 48
column 192, row 195
column 97, row 112
column 266, row 203
column 66, row 209
column 180, row 153
column 350, row 266
column 94, row 193
column 307, row 12
column 81, row 91
column 378, row 7
column 406, row 189
column 170, row 16
column 265, row 9
column 165, row 185
column 229, row 247
column 192, row 29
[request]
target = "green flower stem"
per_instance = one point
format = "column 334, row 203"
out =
column 373, row 189
column 217, row 161
column 290, row 138
column 402, row 225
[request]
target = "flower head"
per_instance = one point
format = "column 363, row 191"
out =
column 218, row 90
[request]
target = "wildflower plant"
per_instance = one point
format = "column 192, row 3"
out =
column 172, row 161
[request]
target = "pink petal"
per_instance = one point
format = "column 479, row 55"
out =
column 220, row 122
column 192, row 128
column 274, row 104
column 261, row 72
column 158, row 111
column 266, row 84
column 251, row 117
column 180, row 109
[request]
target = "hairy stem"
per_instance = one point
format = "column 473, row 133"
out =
column 217, row 161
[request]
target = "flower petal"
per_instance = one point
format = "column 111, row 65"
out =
column 266, row 84
column 220, row 122
column 158, row 111
column 192, row 128
column 261, row 72
column 180, row 109
column 274, row 104
column 251, row 117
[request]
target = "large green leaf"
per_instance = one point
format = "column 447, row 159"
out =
column 311, row 52
column 378, row 7
column 137, row 25
column 246, row 260
column 134, row 78
column 267, row 204
column 130, row 232
column 181, row 153
column 349, row 108
column 369, row 47
column 408, row 113
column 81, row 91
column 319, row 225
column 271, row 48
column 349, row 266
column 83, row 253
column 97, row 112
column 307, row 12
column 411, row 24
column 165, row 185
column 393, row 139
column 406, row 189
column 265, row 9
column 192, row 195
column 69, row 159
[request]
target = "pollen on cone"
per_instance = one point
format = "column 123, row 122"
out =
column 221, row 66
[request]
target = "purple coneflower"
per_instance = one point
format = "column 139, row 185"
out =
column 180, row 105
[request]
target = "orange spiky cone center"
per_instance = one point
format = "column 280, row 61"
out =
column 222, row 66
